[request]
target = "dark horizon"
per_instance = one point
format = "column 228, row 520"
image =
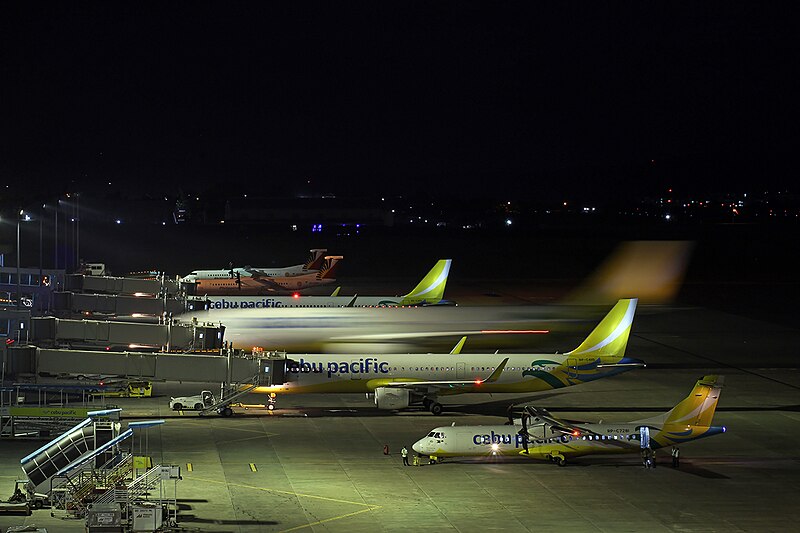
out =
column 516, row 99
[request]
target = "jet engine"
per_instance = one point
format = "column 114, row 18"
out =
column 391, row 398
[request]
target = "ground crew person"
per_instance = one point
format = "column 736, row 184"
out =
column 676, row 457
column 404, row 453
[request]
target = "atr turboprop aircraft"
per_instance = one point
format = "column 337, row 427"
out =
column 257, row 284
column 313, row 264
column 429, row 291
column 402, row 381
column 540, row 435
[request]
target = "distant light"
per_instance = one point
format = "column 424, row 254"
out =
column 392, row 210
column 667, row 217
column 119, row 221
column 221, row 221
column 163, row 223
column 508, row 222
column 27, row 217
column 565, row 204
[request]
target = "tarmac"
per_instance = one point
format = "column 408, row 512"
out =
column 316, row 463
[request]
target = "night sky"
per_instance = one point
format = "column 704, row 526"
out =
column 522, row 99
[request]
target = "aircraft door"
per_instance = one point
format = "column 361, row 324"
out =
column 572, row 368
column 273, row 371
column 461, row 370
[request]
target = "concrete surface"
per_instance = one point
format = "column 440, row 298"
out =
column 316, row 463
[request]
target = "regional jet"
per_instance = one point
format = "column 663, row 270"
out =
column 402, row 381
column 540, row 435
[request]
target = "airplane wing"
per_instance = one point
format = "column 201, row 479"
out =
column 447, row 384
column 542, row 416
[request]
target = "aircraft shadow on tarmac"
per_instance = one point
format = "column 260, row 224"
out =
column 588, row 462
column 190, row 518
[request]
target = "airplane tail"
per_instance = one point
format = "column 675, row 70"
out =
column 316, row 259
column 691, row 419
column 328, row 271
column 610, row 337
column 431, row 289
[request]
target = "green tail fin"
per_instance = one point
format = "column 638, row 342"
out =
column 610, row 337
column 457, row 348
column 431, row 288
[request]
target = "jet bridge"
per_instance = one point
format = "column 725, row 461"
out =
column 111, row 335
column 77, row 305
column 113, row 285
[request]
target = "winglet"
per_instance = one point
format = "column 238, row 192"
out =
column 496, row 374
column 352, row 303
column 457, row 348
column 336, row 291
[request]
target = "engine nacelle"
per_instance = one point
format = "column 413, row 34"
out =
column 391, row 398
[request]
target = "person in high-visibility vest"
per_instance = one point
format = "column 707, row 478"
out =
column 404, row 453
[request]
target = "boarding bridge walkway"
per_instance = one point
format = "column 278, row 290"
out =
column 199, row 368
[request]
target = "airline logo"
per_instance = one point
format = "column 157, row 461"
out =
column 362, row 366
column 258, row 304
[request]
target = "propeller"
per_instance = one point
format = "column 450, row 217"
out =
column 239, row 280
column 523, row 433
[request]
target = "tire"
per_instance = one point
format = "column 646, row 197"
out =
column 436, row 408
column 562, row 461
column 198, row 407
column 177, row 407
column 226, row 412
column 38, row 504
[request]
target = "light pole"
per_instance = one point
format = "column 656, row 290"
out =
column 18, row 290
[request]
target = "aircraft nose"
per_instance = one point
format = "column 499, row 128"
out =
column 417, row 446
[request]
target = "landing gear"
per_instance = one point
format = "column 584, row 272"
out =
column 436, row 408
column 558, row 459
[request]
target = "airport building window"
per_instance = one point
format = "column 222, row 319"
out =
column 4, row 328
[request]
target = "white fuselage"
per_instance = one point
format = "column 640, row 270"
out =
column 485, row 441
column 213, row 302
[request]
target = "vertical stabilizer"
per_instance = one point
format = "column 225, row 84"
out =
column 431, row 289
column 316, row 259
column 610, row 337
column 328, row 270
column 698, row 408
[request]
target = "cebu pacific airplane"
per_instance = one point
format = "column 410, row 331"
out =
column 399, row 381
column 429, row 291
column 540, row 435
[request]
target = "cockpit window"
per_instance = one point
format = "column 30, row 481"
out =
column 431, row 434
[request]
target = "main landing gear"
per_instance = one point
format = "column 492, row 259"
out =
column 432, row 405
column 557, row 458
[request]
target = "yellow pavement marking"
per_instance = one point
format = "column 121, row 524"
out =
column 189, row 467
column 266, row 489
column 253, row 467
column 368, row 506
column 331, row 519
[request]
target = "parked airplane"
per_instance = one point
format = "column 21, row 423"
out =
column 314, row 263
column 255, row 283
column 401, row 381
column 540, row 435
column 429, row 291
